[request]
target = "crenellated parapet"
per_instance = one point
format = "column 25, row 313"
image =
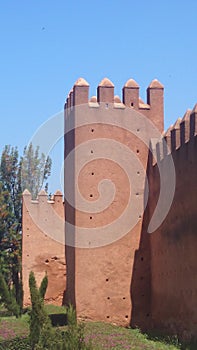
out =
column 176, row 136
column 152, row 108
column 45, row 213
column 79, row 94
column 56, row 198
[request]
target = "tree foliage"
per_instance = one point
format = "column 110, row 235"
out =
column 10, row 220
column 16, row 174
column 42, row 335
column 35, row 169
column 39, row 320
column 7, row 298
column 43, row 287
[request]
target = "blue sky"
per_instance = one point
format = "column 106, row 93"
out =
column 46, row 45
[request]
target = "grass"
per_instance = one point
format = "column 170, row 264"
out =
column 53, row 309
column 10, row 327
column 102, row 336
column 107, row 336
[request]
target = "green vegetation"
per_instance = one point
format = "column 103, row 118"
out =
column 39, row 320
column 14, row 335
column 35, row 170
column 34, row 330
column 100, row 335
column 10, row 221
column 16, row 174
column 41, row 333
column 7, row 298
column 107, row 336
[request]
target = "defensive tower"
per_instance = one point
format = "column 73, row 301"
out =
column 99, row 276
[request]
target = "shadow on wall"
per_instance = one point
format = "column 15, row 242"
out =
column 69, row 144
column 140, row 289
column 164, row 279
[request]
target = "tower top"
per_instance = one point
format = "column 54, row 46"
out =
column 194, row 110
column 106, row 82
column 155, row 84
column 81, row 82
column 131, row 83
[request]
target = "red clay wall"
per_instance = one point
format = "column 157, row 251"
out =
column 41, row 248
column 173, row 247
column 99, row 279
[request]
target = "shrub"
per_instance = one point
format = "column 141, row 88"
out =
column 39, row 320
column 15, row 344
column 43, row 287
column 42, row 335
column 7, row 298
column 70, row 339
column 73, row 338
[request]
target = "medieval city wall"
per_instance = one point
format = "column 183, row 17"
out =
column 135, row 278
column 173, row 245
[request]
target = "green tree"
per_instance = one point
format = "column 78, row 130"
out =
column 15, row 175
column 42, row 335
column 39, row 320
column 43, row 287
column 7, row 298
column 35, row 170
column 10, row 220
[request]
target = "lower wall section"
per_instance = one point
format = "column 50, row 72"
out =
column 100, row 280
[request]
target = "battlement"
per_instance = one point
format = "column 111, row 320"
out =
column 46, row 214
column 79, row 94
column 42, row 197
column 152, row 108
column 176, row 136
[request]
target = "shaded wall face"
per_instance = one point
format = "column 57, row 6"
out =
column 42, row 250
column 173, row 250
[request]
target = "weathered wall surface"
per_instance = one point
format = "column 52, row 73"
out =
column 99, row 278
column 173, row 246
column 42, row 250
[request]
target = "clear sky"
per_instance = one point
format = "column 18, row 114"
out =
column 46, row 45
